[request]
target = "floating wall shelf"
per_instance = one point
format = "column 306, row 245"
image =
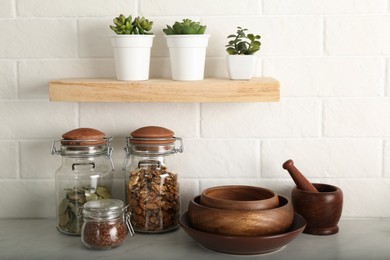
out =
column 164, row 90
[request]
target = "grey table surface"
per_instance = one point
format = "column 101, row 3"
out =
column 39, row 239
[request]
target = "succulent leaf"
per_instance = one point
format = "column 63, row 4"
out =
column 202, row 29
column 186, row 26
column 177, row 28
column 243, row 44
column 169, row 30
column 124, row 25
column 231, row 50
column 122, row 18
column 117, row 22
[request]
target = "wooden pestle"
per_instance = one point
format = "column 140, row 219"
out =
column 300, row 180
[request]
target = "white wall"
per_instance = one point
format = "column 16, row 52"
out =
column 333, row 119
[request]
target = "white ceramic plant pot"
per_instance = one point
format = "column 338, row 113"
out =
column 241, row 67
column 187, row 55
column 132, row 56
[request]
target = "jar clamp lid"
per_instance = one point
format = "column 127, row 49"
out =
column 103, row 209
column 83, row 142
column 153, row 140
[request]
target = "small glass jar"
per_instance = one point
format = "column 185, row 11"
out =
column 152, row 186
column 105, row 224
column 86, row 173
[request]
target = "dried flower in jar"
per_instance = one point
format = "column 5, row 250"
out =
column 154, row 199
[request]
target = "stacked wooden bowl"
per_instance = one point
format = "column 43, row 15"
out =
column 241, row 213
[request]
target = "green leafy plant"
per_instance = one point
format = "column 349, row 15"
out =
column 126, row 25
column 187, row 26
column 242, row 43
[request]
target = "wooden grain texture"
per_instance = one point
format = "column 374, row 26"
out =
column 164, row 90
column 241, row 222
column 299, row 179
column 239, row 197
column 322, row 210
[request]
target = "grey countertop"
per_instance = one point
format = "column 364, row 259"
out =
column 39, row 239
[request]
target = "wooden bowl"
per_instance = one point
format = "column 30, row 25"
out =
column 244, row 245
column 239, row 197
column 322, row 210
column 241, row 222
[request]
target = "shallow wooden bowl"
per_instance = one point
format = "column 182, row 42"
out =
column 239, row 197
column 244, row 245
column 241, row 222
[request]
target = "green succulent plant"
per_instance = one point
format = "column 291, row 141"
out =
column 187, row 26
column 242, row 43
column 126, row 25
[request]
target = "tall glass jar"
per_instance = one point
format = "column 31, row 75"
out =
column 152, row 187
column 86, row 174
column 105, row 224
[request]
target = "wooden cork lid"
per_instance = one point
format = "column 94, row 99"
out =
column 152, row 135
column 84, row 137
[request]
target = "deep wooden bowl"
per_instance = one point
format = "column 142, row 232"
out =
column 241, row 222
column 239, row 197
column 322, row 210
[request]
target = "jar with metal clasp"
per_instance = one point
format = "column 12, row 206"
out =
column 152, row 186
column 105, row 224
column 85, row 174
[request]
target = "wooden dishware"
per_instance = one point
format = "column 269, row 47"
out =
column 238, row 245
column 321, row 209
column 241, row 222
column 300, row 180
column 239, row 197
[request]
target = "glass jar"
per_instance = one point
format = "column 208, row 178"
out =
column 152, row 187
column 105, row 224
column 86, row 173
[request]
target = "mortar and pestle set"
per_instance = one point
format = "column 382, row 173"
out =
column 319, row 204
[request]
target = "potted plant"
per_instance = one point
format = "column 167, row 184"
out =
column 132, row 46
column 187, row 45
column 241, row 62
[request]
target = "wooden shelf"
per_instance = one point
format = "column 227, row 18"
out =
column 164, row 90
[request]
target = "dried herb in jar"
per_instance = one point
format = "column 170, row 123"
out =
column 69, row 208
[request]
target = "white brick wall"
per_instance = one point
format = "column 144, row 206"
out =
column 357, row 117
column 331, row 58
column 34, row 74
column 288, row 118
column 328, row 76
column 8, row 79
column 328, row 157
column 25, row 119
column 38, row 38
column 72, row 8
column 7, row 8
column 9, row 159
column 357, row 35
column 200, row 7
column 324, row 6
